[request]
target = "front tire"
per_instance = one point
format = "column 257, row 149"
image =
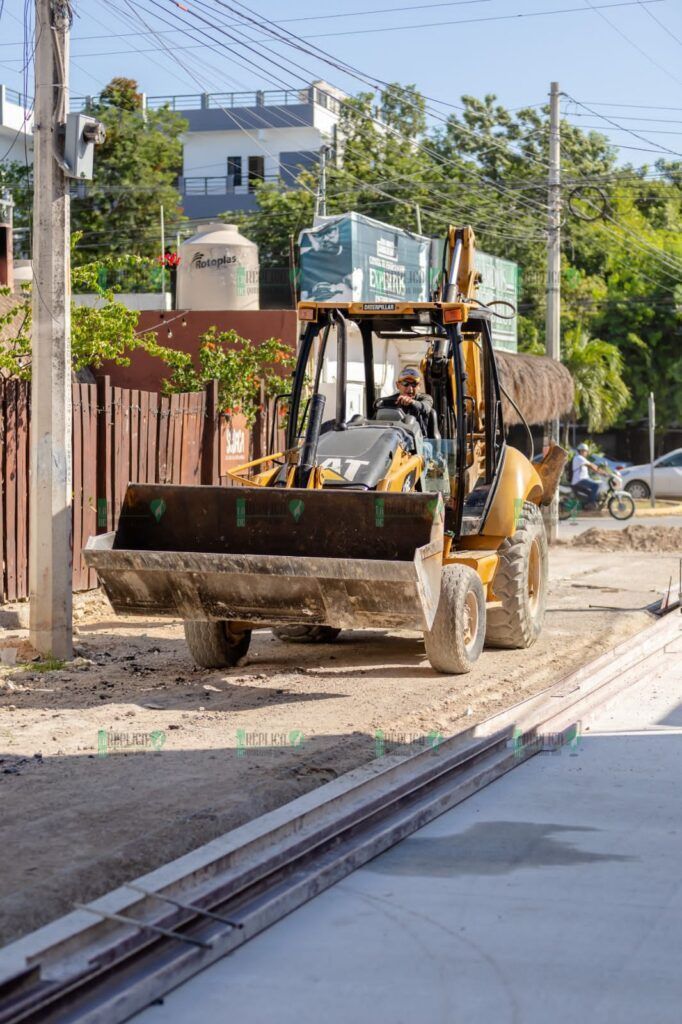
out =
column 306, row 634
column 457, row 635
column 621, row 506
column 638, row 490
column 216, row 644
column 520, row 584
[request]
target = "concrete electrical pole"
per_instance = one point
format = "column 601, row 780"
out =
column 162, row 230
column 652, row 449
column 553, row 323
column 321, row 198
column 51, row 487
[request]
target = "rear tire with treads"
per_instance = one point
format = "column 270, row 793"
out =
column 216, row 644
column 520, row 584
column 456, row 637
column 306, row 634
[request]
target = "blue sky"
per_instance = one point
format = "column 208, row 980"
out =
column 633, row 58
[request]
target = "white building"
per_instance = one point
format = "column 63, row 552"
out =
column 233, row 140
column 237, row 139
column 16, row 127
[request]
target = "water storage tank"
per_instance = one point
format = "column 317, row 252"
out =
column 218, row 269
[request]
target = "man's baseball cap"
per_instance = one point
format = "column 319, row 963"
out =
column 583, row 448
column 409, row 373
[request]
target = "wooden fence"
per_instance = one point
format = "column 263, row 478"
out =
column 119, row 436
column 14, row 415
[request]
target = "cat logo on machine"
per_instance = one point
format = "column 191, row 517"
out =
column 347, row 468
column 379, row 307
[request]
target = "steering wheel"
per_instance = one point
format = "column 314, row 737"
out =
column 382, row 404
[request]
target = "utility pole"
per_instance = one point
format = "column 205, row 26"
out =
column 418, row 214
column 163, row 255
column 652, row 448
column 321, row 198
column 553, row 322
column 51, row 487
column 292, row 271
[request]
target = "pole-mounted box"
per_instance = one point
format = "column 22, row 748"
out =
column 82, row 134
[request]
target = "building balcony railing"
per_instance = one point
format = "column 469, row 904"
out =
column 229, row 100
column 20, row 99
column 220, row 185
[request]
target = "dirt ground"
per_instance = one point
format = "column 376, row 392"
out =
column 130, row 756
column 632, row 538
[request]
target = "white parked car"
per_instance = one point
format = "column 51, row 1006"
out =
column 667, row 477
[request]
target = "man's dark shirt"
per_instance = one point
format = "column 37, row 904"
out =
column 420, row 407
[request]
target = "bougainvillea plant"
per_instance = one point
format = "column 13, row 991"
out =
column 239, row 366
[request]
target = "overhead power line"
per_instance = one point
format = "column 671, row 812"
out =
column 658, row 21
column 647, row 56
column 495, row 17
column 633, row 117
column 631, row 106
column 413, row 28
column 364, row 185
column 315, row 51
column 620, row 127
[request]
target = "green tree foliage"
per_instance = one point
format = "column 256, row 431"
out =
column 136, row 171
column 487, row 166
column 107, row 331
column 596, row 366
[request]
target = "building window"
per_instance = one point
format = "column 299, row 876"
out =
column 256, row 171
column 234, row 169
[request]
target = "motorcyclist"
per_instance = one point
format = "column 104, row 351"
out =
column 579, row 470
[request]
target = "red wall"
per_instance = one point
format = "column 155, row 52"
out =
column 146, row 372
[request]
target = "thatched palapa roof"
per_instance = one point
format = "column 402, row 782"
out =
column 541, row 387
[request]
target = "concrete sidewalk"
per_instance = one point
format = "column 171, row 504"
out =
column 554, row 894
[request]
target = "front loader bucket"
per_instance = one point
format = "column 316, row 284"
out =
column 274, row 556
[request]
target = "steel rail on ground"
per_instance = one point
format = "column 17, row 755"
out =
column 107, row 960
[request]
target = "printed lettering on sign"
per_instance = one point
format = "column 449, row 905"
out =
column 200, row 263
column 233, row 442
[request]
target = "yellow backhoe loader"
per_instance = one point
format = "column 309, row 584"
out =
column 368, row 520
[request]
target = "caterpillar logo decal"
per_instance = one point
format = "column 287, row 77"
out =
column 350, row 467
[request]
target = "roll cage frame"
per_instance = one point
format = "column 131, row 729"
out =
column 448, row 326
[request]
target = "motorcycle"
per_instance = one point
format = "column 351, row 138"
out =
column 619, row 503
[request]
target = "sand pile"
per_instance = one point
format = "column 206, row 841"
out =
column 632, row 538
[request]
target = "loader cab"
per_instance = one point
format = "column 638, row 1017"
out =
column 457, row 455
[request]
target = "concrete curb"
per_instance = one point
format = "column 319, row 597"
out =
column 660, row 510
